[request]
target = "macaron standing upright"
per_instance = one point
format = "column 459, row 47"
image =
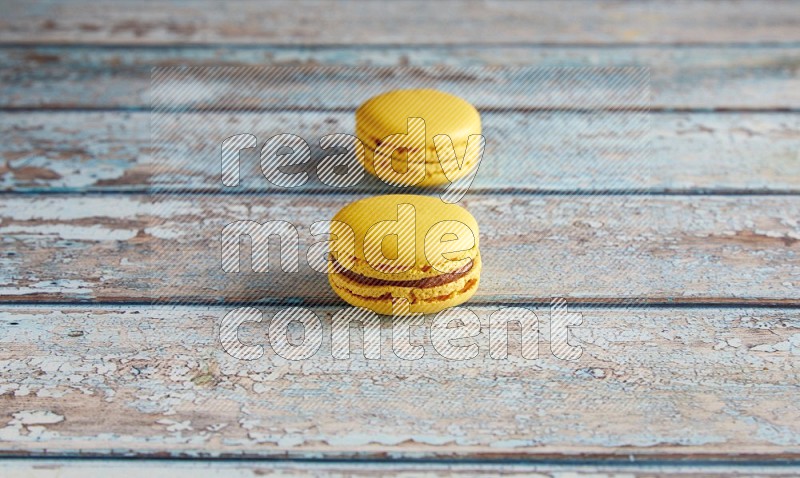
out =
column 404, row 247
column 398, row 119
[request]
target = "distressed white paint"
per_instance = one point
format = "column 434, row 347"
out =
column 645, row 379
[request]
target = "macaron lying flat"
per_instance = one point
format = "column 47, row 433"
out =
column 411, row 247
column 383, row 124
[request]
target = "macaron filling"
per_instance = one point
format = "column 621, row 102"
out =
column 423, row 283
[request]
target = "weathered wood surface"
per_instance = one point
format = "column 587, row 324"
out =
column 61, row 468
column 682, row 78
column 662, row 384
column 651, row 384
column 687, row 152
column 654, row 248
column 293, row 23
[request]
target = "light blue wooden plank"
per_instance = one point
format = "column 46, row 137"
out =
column 682, row 78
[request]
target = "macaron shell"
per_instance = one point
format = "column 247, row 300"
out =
column 443, row 113
column 429, row 211
column 427, row 300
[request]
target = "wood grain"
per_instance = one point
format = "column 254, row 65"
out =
column 293, row 23
column 119, row 248
column 534, row 151
column 150, row 381
column 718, row 77
column 695, row 383
column 200, row 468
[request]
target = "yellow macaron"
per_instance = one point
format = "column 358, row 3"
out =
column 404, row 247
column 405, row 134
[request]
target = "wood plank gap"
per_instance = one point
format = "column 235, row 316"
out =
column 721, row 192
column 710, row 461
column 611, row 303
column 380, row 46
column 146, row 109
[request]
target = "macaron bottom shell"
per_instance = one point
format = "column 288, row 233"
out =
column 426, row 300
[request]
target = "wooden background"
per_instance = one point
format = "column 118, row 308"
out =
column 703, row 376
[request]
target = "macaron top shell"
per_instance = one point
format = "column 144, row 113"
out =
column 445, row 236
column 443, row 113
